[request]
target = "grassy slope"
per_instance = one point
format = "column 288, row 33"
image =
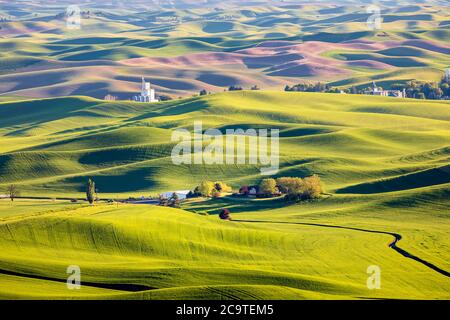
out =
column 350, row 140
column 183, row 255
column 360, row 145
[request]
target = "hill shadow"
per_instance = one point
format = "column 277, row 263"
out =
column 173, row 110
column 129, row 181
column 237, row 205
column 420, row 179
column 46, row 110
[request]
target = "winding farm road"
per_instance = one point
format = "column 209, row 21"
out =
column 139, row 287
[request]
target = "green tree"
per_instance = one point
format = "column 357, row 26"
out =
column 90, row 191
column 206, row 188
column 313, row 187
column 300, row 189
column 174, row 200
column 12, row 191
column 290, row 185
column 268, row 187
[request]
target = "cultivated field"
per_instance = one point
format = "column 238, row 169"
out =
column 184, row 50
column 384, row 162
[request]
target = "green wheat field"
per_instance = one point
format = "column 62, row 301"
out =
column 384, row 162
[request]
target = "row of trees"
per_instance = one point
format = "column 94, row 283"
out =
column 209, row 189
column 424, row 90
column 292, row 187
column 413, row 89
column 239, row 88
column 312, row 87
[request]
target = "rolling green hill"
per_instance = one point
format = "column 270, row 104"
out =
column 46, row 151
column 384, row 163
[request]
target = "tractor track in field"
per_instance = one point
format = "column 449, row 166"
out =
column 112, row 286
column 392, row 245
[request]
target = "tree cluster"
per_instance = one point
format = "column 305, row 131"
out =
column 209, row 189
column 312, row 87
column 414, row 89
column 234, row 88
column 292, row 187
column 173, row 201
column 425, row 90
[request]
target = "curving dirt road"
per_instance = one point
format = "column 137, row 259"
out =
column 393, row 244
column 139, row 287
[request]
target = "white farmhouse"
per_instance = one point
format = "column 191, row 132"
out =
column 182, row 194
column 377, row 91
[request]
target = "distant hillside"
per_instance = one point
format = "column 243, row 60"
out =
column 183, row 51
